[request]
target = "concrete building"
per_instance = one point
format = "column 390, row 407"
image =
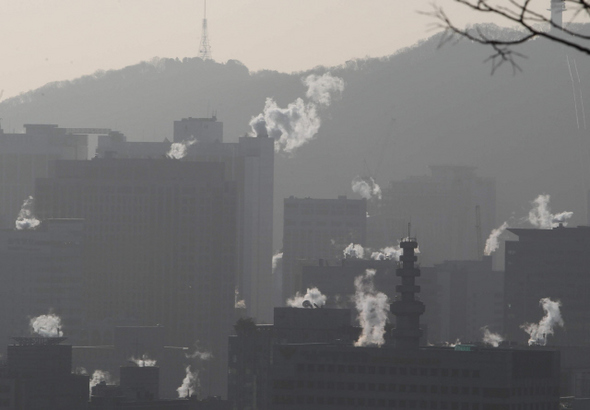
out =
column 441, row 208
column 250, row 164
column 37, row 375
column 42, row 272
column 548, row 263
column 25, row 157
column 471, row 297
column 318, row 229
column 160, row 245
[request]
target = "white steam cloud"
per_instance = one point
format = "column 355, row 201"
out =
column 297, row 124
column 491, row 338
column 98, row 377
column 389, row 253
column 46, row 325
column 143, row 361
column 178, row 150
column 239, row 303
column 541, row 217
column 354, row 251
column 538, row 332
column 276, row 259
column 493, row 243
column 190, row 383
column 366, row 187
column 372, row 310
column 313, row 295
column 25, row 218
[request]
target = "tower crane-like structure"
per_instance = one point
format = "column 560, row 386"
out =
column 205, row 47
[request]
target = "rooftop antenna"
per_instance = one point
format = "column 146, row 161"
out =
column 205, row 47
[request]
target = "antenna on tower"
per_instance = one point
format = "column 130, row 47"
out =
column 205, row 47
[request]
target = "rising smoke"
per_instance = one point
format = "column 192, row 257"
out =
column 98, row 377
column 492, row 243
column 366, row 187
column 178, row 150
column 313, row 295
column 372, row 310
column 25, row 218
column 541, row 217
column 143, row 361
column 538, row 332
column 354, row 251
column 389, row 253
column 239, row 303
column 297, row 124
column 276, row 259
column 491, row 338
column 46, row 325
column 190, row 383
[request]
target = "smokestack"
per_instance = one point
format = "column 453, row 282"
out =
column 407, row 310
column 557, row 8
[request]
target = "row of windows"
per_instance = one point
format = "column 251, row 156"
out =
column 382, row 370
column 410, row 404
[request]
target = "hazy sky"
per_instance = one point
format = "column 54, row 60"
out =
column 50, row 40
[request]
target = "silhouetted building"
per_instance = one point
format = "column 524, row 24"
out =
column 160, row 245
column 250, row 164
column 549, row 263
column 318, row 229
column 442, row 210
column 25, row 157
column 42, row 272
column 471, row 298
column 38, row 375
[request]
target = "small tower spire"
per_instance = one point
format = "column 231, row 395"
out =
column 205, row 47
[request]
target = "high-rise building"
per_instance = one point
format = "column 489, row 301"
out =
column 25, row 157
column 160, row 245
column 42, row 273
column 441, row 208
column 548, row 263
column 250, row 164
column 318, row 229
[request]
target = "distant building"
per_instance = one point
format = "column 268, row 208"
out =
column 42, row 272
column 471, row 298
column 441, row 208
column 250, row 164
column 25, row 157
column 37, row 375
column 160, row 245
column 318, row 229
column 549, row 263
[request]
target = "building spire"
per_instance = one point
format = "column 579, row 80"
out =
column 205, row 47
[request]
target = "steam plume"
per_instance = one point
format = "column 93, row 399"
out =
column 313, row 295
column 143, row 361
column 238, row 303
column 354, row 251
column 366, row 187
column 297, row 124
column 276, row 259
column 372, row 310
column 201, row 355
column 491, row 338
column 541, row 217
column 538, row 332
column 178, row 149
column 492, row 243
column 26, row 219
column 389, row 253
column 190, row 383
column 46, row 325
column 98, row 377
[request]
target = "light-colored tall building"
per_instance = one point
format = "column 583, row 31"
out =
column 42, row 273
column 250, row 164
column 441, row 208
column 25, row 157
column 318, row 229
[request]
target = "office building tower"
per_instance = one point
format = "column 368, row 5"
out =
column 160, row 245
column 25, row 157
column 42, row 272
column 441, row 208
column 548, row 263
column 318, row 229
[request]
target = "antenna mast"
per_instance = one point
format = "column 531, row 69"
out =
column 205, row 47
